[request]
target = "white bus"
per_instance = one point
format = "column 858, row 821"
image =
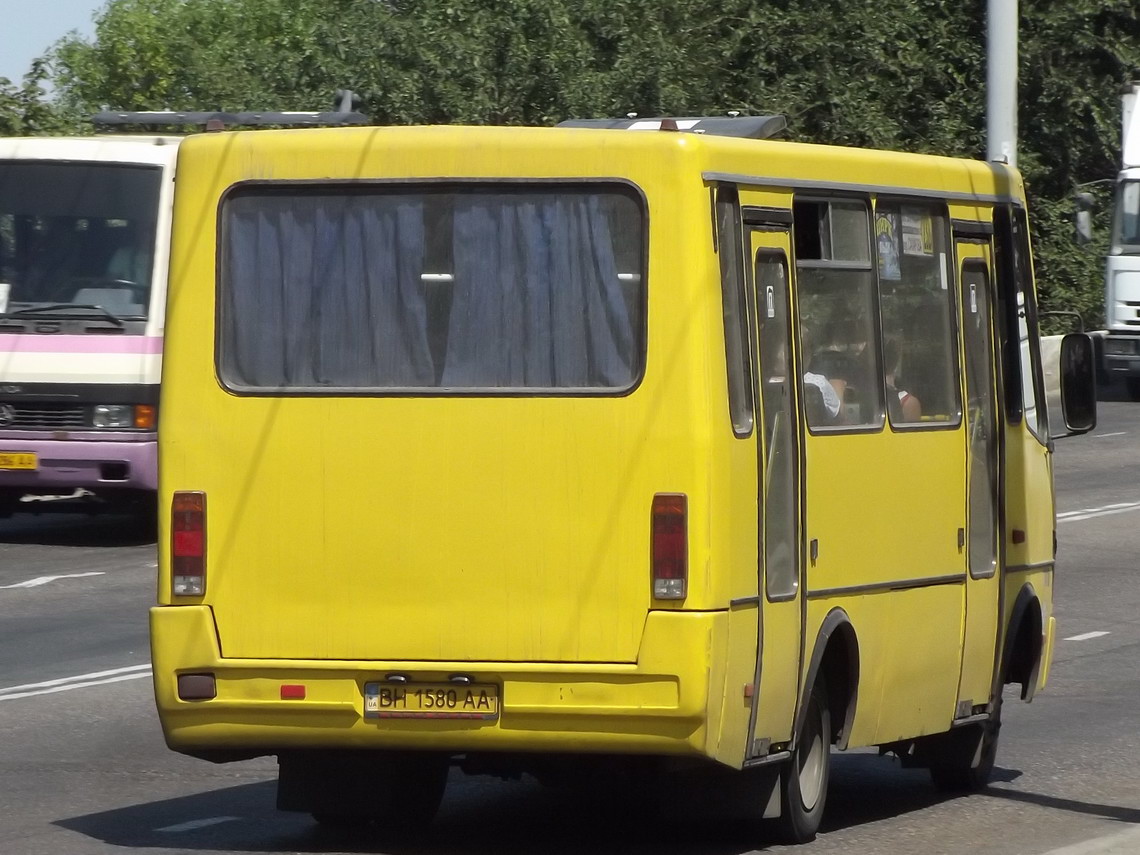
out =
column 84, row 236
column 84, row 240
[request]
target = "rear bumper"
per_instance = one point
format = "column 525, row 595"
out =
column 97, row 464
column 657, row 706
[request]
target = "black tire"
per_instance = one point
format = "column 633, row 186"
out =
column 958, row 774
column 1133, row 386
column 394, row 791
column 413, row 795
column 804, row 780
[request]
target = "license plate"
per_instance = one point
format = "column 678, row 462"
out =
column 430, row 700
column 17, row 460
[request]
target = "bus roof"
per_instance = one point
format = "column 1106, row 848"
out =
column 148, row 149
column 489, row 152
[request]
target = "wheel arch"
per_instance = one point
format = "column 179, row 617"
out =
column 1024, row 643
column 835, row 654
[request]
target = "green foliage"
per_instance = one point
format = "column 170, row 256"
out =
column 902, row 74
column 1074, row 58
column 24, row 111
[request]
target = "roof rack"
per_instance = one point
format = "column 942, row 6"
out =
column 344, row 114
column 748, row 127
column 171, row 117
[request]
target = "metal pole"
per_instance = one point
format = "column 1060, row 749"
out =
column 1001, row 81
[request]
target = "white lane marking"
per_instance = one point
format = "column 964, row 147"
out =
column 79, row 681
column 43, row 580
column 70, row 686
column 1085, row 636
column 1089, row 513
column 1103, row 435
column 195, row 824
column 1114, row 844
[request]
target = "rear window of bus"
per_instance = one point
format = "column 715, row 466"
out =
column 441, row 288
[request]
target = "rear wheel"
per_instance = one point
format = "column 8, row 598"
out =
column 1133, row 386
column 803, row 781
column 412, row 792
column 957, row 771
column 396, row 791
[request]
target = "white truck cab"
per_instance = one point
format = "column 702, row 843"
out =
column 1122, row 272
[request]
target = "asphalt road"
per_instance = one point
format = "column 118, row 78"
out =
column 83, row 768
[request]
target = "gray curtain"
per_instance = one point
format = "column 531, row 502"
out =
column 325, row 291
column 537, row 299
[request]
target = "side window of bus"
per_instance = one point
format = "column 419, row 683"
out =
column 838, row 314
column 730, row 247
column 1017, row 320
column 919, row 351
column 1029, row 344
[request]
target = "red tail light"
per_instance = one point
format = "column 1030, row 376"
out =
column 670, row 546
column 188, row 543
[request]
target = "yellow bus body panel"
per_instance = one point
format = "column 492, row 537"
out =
column 657, row 706
column 438, row 527
column 891, row 529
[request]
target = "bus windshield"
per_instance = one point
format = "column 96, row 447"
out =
column 1126, row 232
column 77, row 236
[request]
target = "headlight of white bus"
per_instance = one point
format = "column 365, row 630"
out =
column 114, row 416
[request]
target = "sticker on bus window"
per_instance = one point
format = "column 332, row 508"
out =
column 770, row 300
column 917, row 234
column 973, row 299
column 887, row 243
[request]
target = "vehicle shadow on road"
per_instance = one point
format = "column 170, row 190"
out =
column 1116, row 812
column 79, row 529
column 481, row 816
column 867, row 788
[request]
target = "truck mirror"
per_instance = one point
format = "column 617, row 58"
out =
column 1070, row 383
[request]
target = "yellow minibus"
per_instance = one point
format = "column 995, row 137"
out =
column 650, row 445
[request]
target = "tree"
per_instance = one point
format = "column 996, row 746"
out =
column 23, row 108
column 903, row 74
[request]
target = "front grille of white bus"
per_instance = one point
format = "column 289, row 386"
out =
column 45, row 416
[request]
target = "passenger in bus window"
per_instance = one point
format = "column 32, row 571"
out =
column 823, row 398
column 901, row 404
column 823, row 401
column 842, row 372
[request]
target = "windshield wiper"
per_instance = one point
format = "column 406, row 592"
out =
column 53, row 310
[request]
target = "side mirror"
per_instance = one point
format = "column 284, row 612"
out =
column 1085, row 203
column 1070, row 383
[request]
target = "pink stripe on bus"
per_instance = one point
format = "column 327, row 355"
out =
column 80, row 344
